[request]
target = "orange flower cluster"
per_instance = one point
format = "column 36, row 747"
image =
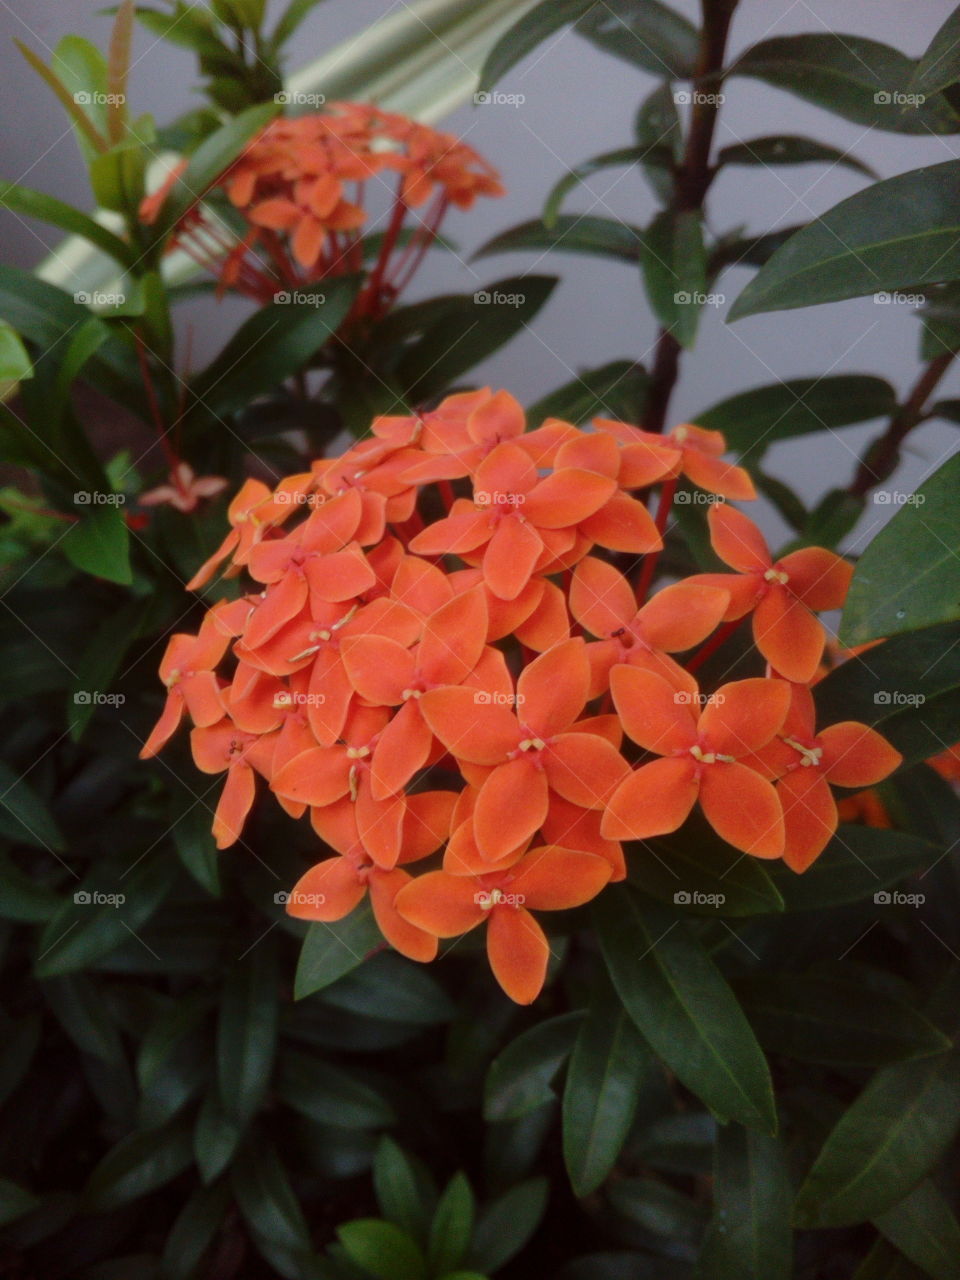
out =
column 440, row 657
column 299, row 188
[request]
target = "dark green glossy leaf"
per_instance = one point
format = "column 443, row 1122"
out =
column 656, row 1207
column 216, row 1137
column 892, row 1135
column 948, row 409
column 99, row 543
column 137, row 1165
column 940, row 65
column 753, row 420
column 644, row 33
column 247, row 1031
column 267, row 1200
column 452, row 1228
column 25, row 817
column 788, row 148
column 610, row 1060
column 616, row 390
column 36, row 204
column 899, row 233
column 15, row 363
column 680, row 1144
column 98, row 664
column 381, row 1249
column 853, row 76
column 572, row 233
column 922, row 1226
column 835, row 1022
column 623, row 157
column 857, row 863
column 675, row 272
column 684, row 1007
column 520, row 1077
column 909, row 575
column 329, row 1094
column 76, row 1003
column 331, row 950
column 750, row 251
column 658, row 131
column 405, row 1191
column 394, row 989
column 749, row 1237
column 506, row 1224
column 526, row 35
column 193, row 1232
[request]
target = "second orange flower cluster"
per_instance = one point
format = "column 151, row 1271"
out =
column 438, row 653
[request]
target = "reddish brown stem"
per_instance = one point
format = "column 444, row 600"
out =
column 650, row 559
column 712, row 645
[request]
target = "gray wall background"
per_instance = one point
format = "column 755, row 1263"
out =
column 578, row 102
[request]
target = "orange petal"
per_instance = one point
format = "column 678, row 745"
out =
column 378, row 668
column 654, row 716
column 809, row 816
column 575, row 828
column 307, row 240
column 595, row 452
column 855, row 755
column 552, row 690
column 441, row 904
column 340, row 575
column 510, row 807
column 453, row 638
column 426, row 823
column 518, row 952
column 405, row 937
column 584, row 768
column 235, row 803
column 548, row 624
column 380, row 824
column 818, row 577
column 653, row 801
column 788, row 635
column 623, row 524
column 505, row 475
column 744, row 715
column 682, row 615
column 464, row 531
column 316, row 777
column 737, row 540
column 510, row 557
column 601, row 599
column 469, row 725
column 402, row 749
column 166, row 726
column 718, row 477
column 329, row 891
column 549, row 878
column 743, row 809
column 566, row 497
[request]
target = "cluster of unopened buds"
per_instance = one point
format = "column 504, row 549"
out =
column 489, row 689
column 299, row 190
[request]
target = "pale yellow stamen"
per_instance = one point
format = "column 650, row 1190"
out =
column 777, row 575
column 532, row 744
column 810, row 755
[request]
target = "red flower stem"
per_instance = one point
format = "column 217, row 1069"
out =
column 667, row 491
column 712, row 645
column 420, row 244
column 172, row 459
column 371, row 293
column 445, row 489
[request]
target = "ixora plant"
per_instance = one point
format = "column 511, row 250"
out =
column 550, row 891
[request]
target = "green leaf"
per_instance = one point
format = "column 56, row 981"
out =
column 644, row 33
column 750, row 251
column 193, row 1231
column 572, row 233
column 24, row 816
column 212, row 158
column 271, row 346
column 330, row 1095
column 835, row 1022
column 137, row 1165
column 753, row 420
column 947, row 409
column 922, row 1226
column 675, row 271
column 909, row 575
column 940, row 65
column 15, row 1201
column 684, row 1007
column 899, row 233
column 267, row 1200
column 697, row 871
column 405, row 1191
column 99, row 662
column 788, row 148
column 507, row 1223
column 469, row 328
column 331, row 950
column 382, row 1249
column 615, row 390
column 609, row 1063
column 452, row 1228
column 77, row 1004
column 679, row 1144
column 892, row 1135
column 853, row 76
column 247, row 1031
column 195, row 845
column 215, row 1138
column 749, row 1236
column 392, row 988
column 658, row 131
column 15, row 362
column 858, row 862
column 623, row 157
column 524, row 36
column 291, row 18
column 834, row 516
column 85, row 129
column 658, row 1208
column 883, row 1262
column 520, row 1078
column 99, row 542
